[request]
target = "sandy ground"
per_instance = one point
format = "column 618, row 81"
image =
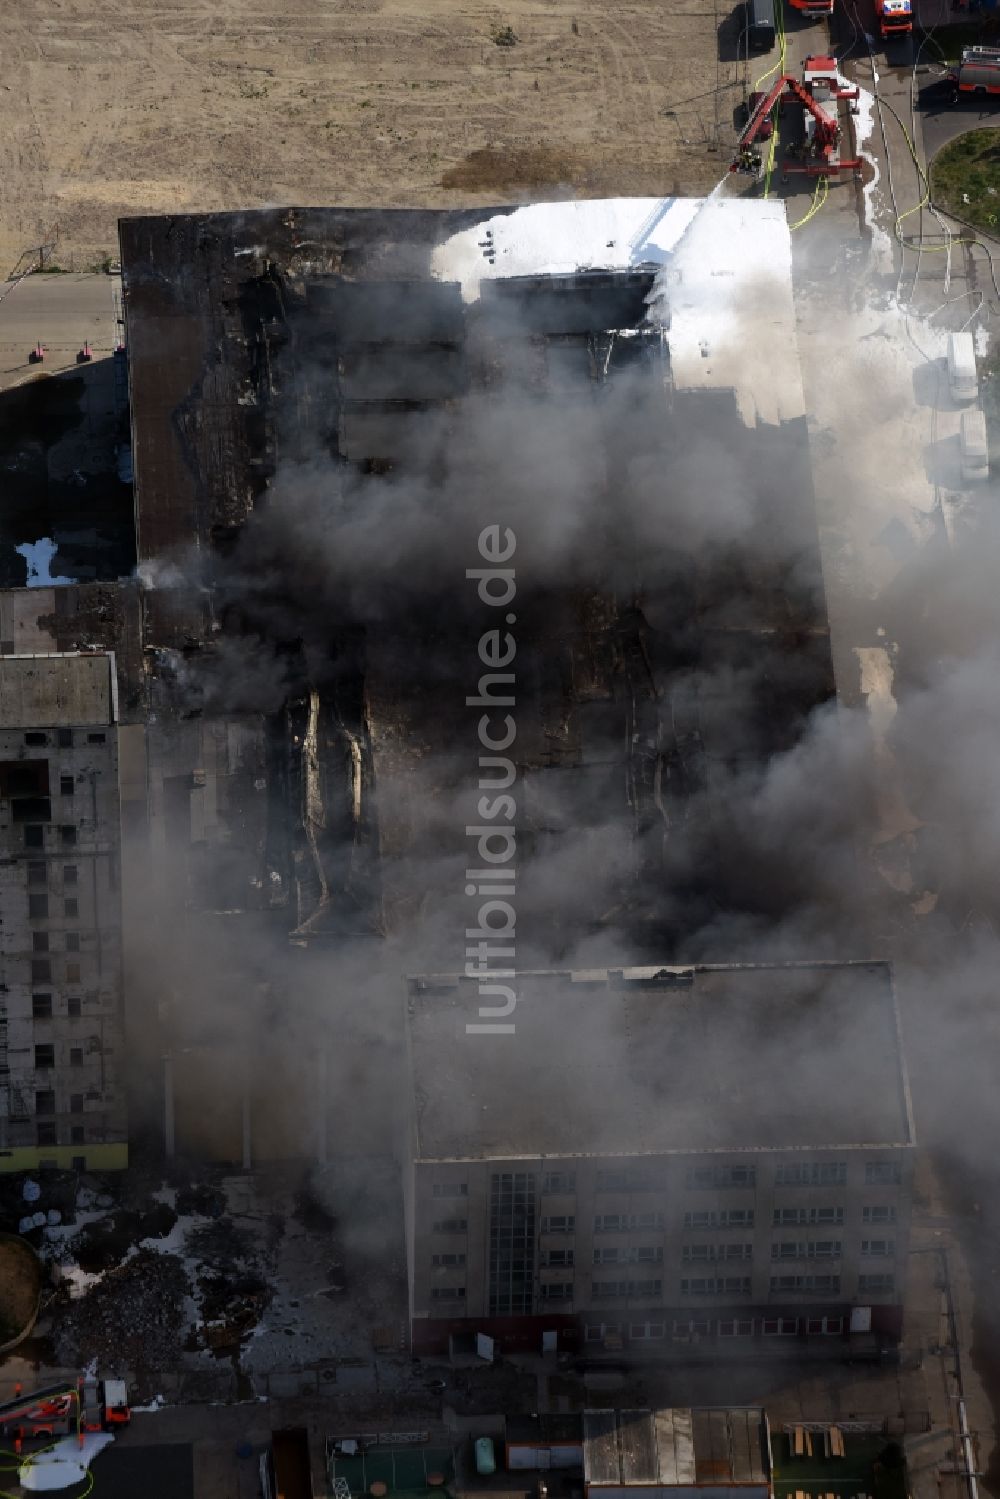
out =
column 218, row 104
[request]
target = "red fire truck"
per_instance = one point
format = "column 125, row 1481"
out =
column 64, row 1410
column 895, row 18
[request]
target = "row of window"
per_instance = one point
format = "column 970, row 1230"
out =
column 64, row 737
column 727, row 1327
column 638, row 1290
column 41, row 1007
column 40, row 941
column 734, row 1218
column 41, row 971
column 40, row 910
column 38, row 873
column 46, row 1133
column 34, row 835
column 788, row 1174
column 45, row 1056
column 45, row 1102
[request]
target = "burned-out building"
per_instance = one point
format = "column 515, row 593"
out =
column 62, row 1064
column 328, row 407
column 658, row 1156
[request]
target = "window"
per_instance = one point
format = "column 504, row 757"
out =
column 512, row 1243
column 72, row 941
column 811, row 1174
column 67, row 833
column 701, row 1254
column 40, row 941
column 646, row 1220
column 723, row 1218
column 443, row 1225
column 75, row 1056
column 450, row 1189
column 608, row 1256
column 635, row 1288
column 33, row 835
column 41, row 1006
column 559, row 1181
column 71, row 907
column 35, row 738
column 647, row 1332
column 445, row 1261
column 878, row 1215
column 77, row 1136
column 693, row 1329
column 780, row 1327
column 562, row 1223
column 885, row 1281
column 72, row 973
column 883, row 1173
column 878, row 1248
column 559, row 1257
column 610, row 1223
column 736, row 1327
column 827, row 1283
column 45, row 1133
column 719, row 1285
column 596, row 1332
column 806, row 1249
column 74, row 1007
column 67, row 785
column 721, row 1176
column 786, row 1217
column 38, row 908
column 622, row 1181
column 45, row 1056
column 646, row 1254
column 448, row 1293
column 616, row 1223
column 76, row 1103
column 96, row 738
column 561, row 1290
column 41, row 971
column 65, row 738
column 825, row 1326
column 45, row 1101
column 69, row 874
column 38, row 874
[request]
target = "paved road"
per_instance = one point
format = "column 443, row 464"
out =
column 62, row 312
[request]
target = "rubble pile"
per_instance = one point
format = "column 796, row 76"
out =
column 133, row 1318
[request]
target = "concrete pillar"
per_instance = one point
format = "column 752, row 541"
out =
column 322, row 1084
column 169, row 1132
column 247, row 1139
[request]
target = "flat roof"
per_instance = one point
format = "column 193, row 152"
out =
column 656, row 1060
column 39, row 692
column 673, row 1447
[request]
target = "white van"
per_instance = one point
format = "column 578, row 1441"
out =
column 975, row 453
column 962, row 381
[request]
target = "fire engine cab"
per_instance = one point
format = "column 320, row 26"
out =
column 895, row 18
column 814, row 7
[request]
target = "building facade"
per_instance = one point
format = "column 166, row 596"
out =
column 62, row 1100
column 734, row 1240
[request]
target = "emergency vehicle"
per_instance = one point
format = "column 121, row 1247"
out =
column 64, row 1410
column 814, row 7
column 978, row 73
column 895, row 17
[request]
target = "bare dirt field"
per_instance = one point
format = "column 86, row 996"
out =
column 181, row 105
